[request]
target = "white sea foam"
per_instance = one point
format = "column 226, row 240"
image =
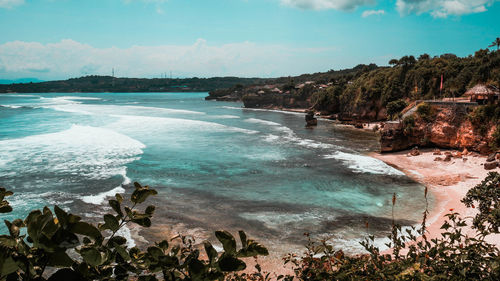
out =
column 276, row 220
column 166, row 124
column 69, row 98
column 73, row 104
column 18, row 95
column 161, row 109
column 225, row 116
column 261, row 121
column 99, row 199
column 364, row 164
column 289, row 136
column 97, row 153
column 10, row 106
column 261, row 109
column 126, row 233
column 27, row 201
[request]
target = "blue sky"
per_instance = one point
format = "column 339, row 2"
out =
column 58, row 39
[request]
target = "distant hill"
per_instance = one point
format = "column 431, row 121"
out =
column 21, row 80
column 94, row 84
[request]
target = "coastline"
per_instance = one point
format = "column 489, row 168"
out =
column 448, row 182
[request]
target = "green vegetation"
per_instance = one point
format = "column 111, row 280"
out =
column 495, row 43
column 76, row 250
column 408, row 124
column 414, row 79
column 366, row 91
column 99, row 84
column 395, row 107
column 426, row 112
column 484, row 118
column 63, row 247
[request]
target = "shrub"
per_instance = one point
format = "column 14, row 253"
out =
column 453, row 256
column 495, row 142
column 98, row 253
column 408, row 124
column 425, row 111
column 395, row 107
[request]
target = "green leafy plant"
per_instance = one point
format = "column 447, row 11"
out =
column 408, row 124
column 452, row 256
column 61, row 243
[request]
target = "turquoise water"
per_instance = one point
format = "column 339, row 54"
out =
column 215, row 164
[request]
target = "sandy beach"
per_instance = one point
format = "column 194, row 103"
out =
column 447, row 181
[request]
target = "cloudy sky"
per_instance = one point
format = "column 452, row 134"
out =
column 59, row 39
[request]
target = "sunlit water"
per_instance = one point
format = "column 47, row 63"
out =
column 215, row 164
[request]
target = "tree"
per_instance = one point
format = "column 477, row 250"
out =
column 395, row 107
column 394, row 62
column 495, row 43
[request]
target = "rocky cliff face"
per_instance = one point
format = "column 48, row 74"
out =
column 448, row 127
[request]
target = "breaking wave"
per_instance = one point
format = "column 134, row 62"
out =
column 364, row 164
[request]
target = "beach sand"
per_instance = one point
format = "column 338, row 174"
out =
column 447, row 181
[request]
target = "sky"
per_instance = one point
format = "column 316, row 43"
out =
column 60, row 39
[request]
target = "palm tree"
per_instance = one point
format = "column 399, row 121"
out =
column 495, row 43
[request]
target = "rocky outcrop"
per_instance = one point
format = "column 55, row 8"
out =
column 448, row 127
column 311, row 121
column 490, row 165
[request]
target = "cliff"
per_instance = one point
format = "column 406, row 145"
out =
column 369, row 92
column 444, row 125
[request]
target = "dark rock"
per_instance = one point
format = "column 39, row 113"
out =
column 438, row 159
column 415, row 152
column 437, row 152
column 358, row 125
column 447, row 158
column 492, row 157
column 310, row 119
column 490, row 165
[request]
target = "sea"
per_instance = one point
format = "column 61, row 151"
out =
column 216, row 165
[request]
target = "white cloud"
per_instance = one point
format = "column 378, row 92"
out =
column 443, row 8
column 10, row 3
column 344, row 5
column 368, row 13
column 69, row 58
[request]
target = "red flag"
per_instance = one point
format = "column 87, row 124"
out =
column 441, row 87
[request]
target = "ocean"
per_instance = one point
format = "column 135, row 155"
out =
column 215, row 164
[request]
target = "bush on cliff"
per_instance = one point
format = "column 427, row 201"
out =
column 366, row 91
column 426, row 112
column 395, row 107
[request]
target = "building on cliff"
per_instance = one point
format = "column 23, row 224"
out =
column 483, row 94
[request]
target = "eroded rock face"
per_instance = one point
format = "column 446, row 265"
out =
column 449, row 128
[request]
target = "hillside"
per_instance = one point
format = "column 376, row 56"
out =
column 366, row 91
column 95, row 84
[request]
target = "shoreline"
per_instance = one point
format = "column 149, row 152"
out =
column 448, row 182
